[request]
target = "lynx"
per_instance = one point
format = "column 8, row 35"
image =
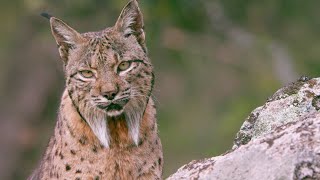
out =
column 106, row 127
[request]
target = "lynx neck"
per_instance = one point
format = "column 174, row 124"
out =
column 78, row 131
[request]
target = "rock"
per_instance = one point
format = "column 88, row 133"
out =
column 287, row 105
column 279, row 140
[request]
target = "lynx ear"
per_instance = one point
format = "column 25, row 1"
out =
column 130, row 22
column 66, row 37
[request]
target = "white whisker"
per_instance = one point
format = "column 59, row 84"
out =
column 133, row 113
column 97, row 122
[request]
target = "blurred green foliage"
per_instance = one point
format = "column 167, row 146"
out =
column 215, row 61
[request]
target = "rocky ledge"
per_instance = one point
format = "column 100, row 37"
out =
column 279, row 140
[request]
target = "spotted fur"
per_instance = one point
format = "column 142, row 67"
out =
column 106, row 127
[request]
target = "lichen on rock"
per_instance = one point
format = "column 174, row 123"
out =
column 286, row 105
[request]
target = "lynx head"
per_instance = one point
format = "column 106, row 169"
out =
column 108, row 74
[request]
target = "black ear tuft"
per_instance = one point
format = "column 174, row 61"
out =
column 46, row 15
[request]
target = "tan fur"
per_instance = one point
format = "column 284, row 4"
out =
column 98, row 137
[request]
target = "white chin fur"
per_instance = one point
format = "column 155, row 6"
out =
column 114, row 113
column 97, row 120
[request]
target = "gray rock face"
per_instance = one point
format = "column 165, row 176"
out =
column 287, row 105
column 278, row 141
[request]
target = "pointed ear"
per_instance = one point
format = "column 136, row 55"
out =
column 130, row 22
column 66, row 37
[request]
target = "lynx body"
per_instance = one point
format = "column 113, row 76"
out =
column 106, row 127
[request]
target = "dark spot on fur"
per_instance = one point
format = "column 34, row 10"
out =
column 116, row 167
column 157, row 142
column 152, row 149
column 70, row 130
column 100, row 172
column 80, row 98
column 65, row 144
column 77, row 178
column 83, row 140
column 81, row 159
column 61, row 155
column 159, row 161
column 94, row 149
column 78, row 171
column 56, row 153
column 153, row 127
column 147, row 73
column 140, row 142
column 145, row 162
column 139, row 170
column 68, row 167
column 72, row 152
column 135, row 67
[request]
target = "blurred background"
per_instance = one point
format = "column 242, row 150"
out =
column 215, row 61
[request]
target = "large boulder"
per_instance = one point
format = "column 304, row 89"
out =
column 279, row 140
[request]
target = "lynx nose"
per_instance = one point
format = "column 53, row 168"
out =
column 110, row 94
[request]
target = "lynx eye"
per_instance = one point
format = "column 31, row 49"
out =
column 86, row 73
column 124, row 66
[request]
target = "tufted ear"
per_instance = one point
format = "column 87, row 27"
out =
column 130, row 22
column 66, row 37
